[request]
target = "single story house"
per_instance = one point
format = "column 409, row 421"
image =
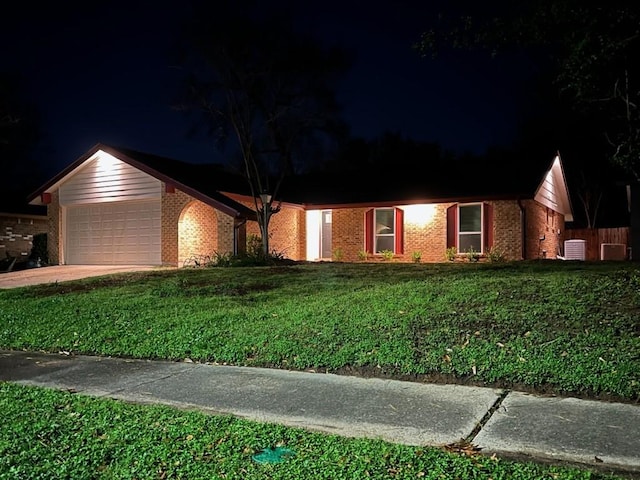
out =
column 119, row 206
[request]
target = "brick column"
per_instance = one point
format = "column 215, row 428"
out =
column 54, row 231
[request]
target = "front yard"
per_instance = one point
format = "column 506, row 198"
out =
column 47, row 434
column 561, row 327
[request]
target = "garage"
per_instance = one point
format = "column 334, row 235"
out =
column 111, row 214
column 116, row 233
column 115, row 206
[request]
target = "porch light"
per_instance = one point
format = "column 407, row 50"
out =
column 419, row 215
column 265, row 198
column 106, row 162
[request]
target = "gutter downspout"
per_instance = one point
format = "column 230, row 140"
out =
column 523, row 232
column 236, row 226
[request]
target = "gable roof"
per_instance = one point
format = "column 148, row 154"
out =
column 203, row 182
column 456, row 182
column 444, row 183
column 553, row 192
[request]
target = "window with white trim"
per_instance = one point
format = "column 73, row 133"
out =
column 470, row 227
column 384, row 238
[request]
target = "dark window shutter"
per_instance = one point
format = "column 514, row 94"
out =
column 399, row 231
column 488, row 226
column 452, row 225
column 368, row 231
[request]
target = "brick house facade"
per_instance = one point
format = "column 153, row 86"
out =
column 426, row 235
column 188, row 227
column 111, row 208
column 286, row 228
column 191, row 227
column 170, row 211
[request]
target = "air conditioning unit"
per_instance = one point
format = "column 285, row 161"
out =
column 613, row 251
column 575, row 249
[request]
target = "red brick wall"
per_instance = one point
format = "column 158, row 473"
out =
column 545, row 231
column 507, row 228
column 429, row 239
column 286, row 232
column 224, row 230
column 347, row 232
column 197, row 231
column 286, row 228
column 215, row 230
column 54, row 245
column 172, row 206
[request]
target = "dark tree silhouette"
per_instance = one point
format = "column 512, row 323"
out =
column 18, row 122
column 257, row 81
column 593, row 50
column 19, row 135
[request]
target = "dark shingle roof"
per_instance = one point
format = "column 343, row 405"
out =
column 452, row 181
column 202, row 181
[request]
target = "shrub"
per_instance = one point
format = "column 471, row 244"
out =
column 39, row 249
column 387, row 254
column 222, row 259
column 254, row 247
column 338, row 255
column 495, row 254
column 363, row 255
column 197, row 261
column 472, row 255
column 416, row 257
column 450, row 253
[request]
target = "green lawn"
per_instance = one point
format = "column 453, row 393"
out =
column 567, row 326
column 46, row 434
column 570, row 327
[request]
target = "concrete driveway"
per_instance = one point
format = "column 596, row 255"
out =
column 63, row 273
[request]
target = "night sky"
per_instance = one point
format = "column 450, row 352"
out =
column 101, row 72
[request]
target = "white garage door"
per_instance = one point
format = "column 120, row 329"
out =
column 117, row 233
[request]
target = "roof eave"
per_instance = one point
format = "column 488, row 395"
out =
column 35, row 197
column 566, row 208
column 238, row 211
column 416, row 201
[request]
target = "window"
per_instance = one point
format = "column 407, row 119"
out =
column 470, row 225
column 385, row 230
column 470, row 228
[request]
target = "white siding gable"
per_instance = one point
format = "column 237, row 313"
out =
column 553, row 193
column 107, row 179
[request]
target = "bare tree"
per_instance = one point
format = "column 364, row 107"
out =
column 590, row 195
column 256, row 80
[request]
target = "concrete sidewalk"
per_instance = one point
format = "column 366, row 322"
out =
column 510, row 423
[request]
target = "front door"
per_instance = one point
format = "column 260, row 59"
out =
column 325, row 234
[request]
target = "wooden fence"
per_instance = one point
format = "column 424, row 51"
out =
column 597, row 236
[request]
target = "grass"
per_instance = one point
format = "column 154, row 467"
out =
column 566, row 327
column 47, row 434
